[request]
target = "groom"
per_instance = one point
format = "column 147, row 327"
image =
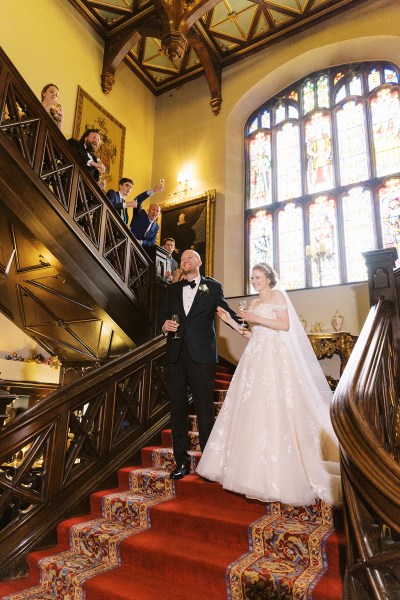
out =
column 191, row 359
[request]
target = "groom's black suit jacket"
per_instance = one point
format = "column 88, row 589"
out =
column 84, row 156
column 197, row 328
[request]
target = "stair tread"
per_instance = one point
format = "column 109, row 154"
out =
column 214, row 512
column 126, row 582
column 180, row 546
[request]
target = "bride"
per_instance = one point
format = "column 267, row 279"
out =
column 273, row 439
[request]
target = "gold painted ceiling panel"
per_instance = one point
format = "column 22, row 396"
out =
column 229, row 31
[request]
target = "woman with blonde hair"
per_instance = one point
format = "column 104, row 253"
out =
column 49, row 96
column 273, row 439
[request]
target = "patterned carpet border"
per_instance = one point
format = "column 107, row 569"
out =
column 94, row 544
column 163, row 458
column 287, row 558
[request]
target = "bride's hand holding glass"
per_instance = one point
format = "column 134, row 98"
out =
column 243, row 311
column 248, row 316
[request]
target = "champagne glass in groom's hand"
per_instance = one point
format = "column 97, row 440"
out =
column 175, row 318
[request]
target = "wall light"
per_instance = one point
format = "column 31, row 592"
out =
column 183, row 180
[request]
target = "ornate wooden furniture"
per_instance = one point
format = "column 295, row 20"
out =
column 326, row 345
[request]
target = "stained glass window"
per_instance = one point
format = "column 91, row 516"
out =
column 288, row 161
column 357, row 209
column 318, row 142
column 291, row 243
column 266, row 119
column 355, row 87
column 352, row 142
column 308, row 96
column 260, row 177
column 323, row 91
column 260, row 236
column 323, row 241
column 385, row 111
column 323, row 175
column 389, row 199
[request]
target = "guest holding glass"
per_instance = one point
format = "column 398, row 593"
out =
column 86, row 148
column 49, row 96
column 118, row 198
column 144, row 224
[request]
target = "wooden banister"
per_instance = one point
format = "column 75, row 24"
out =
column 58, row 451
column 366, row 415
column 50, row 197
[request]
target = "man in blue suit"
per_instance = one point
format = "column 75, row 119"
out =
column 118, row 199
column 144, row 224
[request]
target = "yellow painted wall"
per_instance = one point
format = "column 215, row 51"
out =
column 49, row 42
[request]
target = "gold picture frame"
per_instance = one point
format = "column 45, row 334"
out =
column 90, row 115
column 196, row 216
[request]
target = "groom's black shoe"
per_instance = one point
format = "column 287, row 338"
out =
column 181, row 471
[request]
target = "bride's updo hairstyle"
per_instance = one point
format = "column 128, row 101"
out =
column 269, row 272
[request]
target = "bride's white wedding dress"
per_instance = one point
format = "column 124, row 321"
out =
column 271, row 440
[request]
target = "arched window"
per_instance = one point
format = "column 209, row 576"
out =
column 323, row 175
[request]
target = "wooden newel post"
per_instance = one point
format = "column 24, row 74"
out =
column 382, row 282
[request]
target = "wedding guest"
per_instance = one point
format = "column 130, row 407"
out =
column 144, row 224
column 169, row 245
column 86, row 148
column 49, row 96
column 118, row 198
column 273, row 439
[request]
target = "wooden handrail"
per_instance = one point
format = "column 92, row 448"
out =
column 45, row 189
column 58, row 451
column 74, row 195
column 365, row 414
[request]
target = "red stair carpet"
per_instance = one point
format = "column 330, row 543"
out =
column 154, row 539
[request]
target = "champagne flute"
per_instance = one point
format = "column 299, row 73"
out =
column 162, row 182
column 242, row 306
column 175, row 318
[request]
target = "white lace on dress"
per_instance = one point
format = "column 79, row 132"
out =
column 270, row 441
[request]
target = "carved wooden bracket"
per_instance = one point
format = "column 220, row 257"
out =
column 116, row 48
column 174, row 45
column 173, row 25
column 212, row 69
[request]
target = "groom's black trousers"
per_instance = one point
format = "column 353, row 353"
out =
column 199, row 377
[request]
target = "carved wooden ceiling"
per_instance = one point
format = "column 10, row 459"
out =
column 169, row 42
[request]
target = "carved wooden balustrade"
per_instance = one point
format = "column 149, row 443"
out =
column 50, row 194
column 58, row 451
column 366, row 418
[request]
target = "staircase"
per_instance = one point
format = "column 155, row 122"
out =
column 79, row 283
column 152, row 538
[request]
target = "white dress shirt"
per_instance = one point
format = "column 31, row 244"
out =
column 188, row 295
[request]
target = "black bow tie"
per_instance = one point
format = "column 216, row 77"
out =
column 191, row 283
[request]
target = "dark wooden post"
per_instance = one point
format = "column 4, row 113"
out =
column 158, row 269
column 382, row 282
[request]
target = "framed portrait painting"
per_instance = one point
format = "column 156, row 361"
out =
column 90, row 115
column 191, row 223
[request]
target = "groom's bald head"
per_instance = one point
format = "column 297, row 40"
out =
column 190, row 263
